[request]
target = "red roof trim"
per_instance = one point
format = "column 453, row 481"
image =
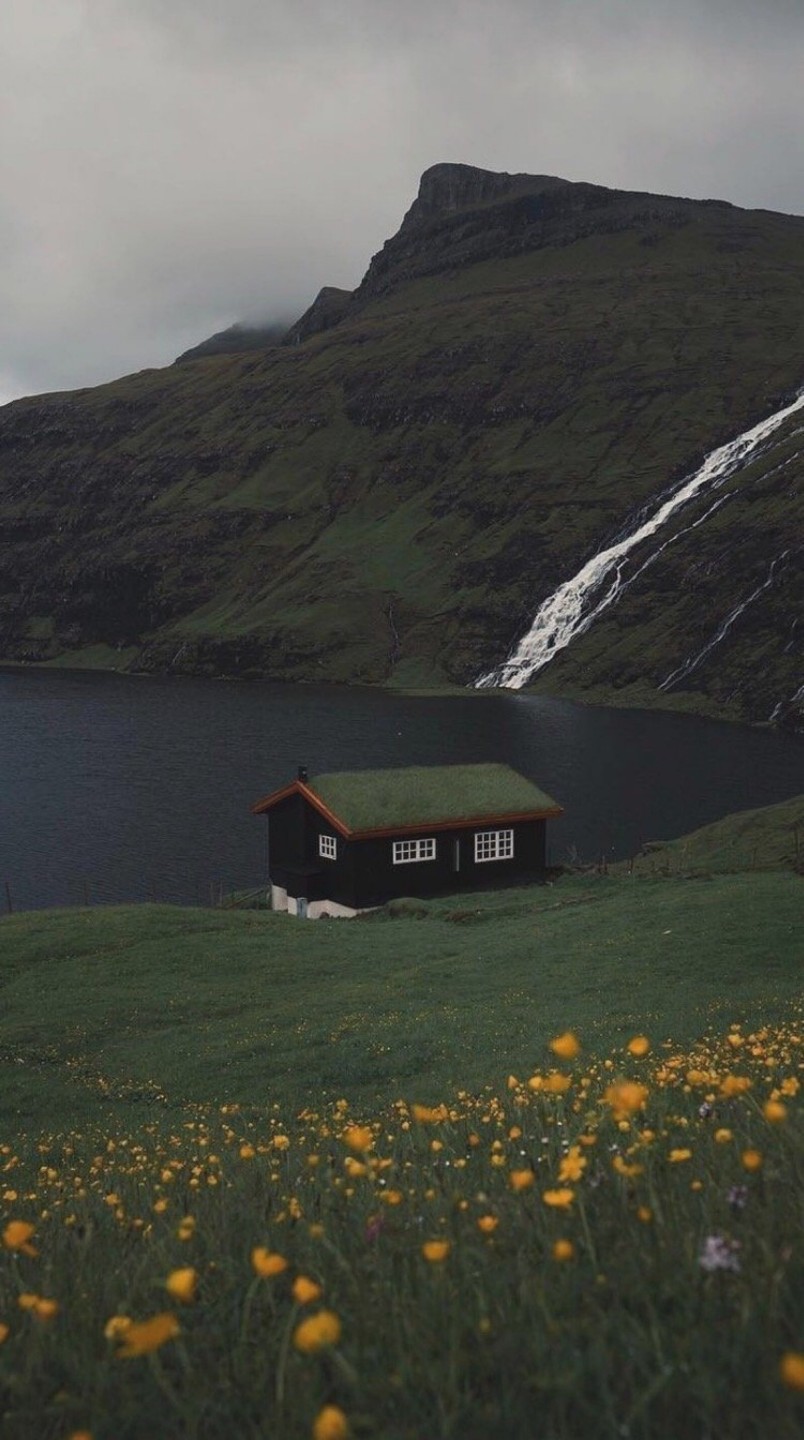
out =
column 424, row 827
column 297, row 787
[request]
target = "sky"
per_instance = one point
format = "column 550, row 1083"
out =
column 168, row 167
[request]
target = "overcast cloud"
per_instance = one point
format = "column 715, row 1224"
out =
column 170, row 166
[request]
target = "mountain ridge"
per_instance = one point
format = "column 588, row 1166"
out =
column 391, row 496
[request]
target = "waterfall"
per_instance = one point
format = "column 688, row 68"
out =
column 573, row 607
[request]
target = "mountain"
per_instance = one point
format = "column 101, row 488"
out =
column 236, row 339
column 528, row 370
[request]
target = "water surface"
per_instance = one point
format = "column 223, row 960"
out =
column 118, row 787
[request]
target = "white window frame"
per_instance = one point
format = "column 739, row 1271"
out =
column 328, row 847
column 493, row 845
column 411, row 852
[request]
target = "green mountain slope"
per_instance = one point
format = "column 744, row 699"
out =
column 390, row 498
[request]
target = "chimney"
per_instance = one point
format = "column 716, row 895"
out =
column 303, row 774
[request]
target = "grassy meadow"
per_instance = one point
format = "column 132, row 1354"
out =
column 529, row 1162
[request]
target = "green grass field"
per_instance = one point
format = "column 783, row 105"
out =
column 229, row 1006
column 332, row 1181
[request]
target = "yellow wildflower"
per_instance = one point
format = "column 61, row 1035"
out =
column 555, row 1083
column 305, row 1290
column 430, row 1115
column 17, row 1235
column 774, row 1111
column 563, row 1250
column 182, row 1284
column 790, row 1086
column 639, row 1045
column 625, row 1098
column 391, row 1197
column 487, row 1224
column 723, row 1135
column 521, row 1179
column 791, row 1370
column 186, row 1228
column 358, row 1137
column 622, row 1167
column 330, row 1424
column 573, row 1165
column 645, row 1214
column 732, row 1085
column 566, row 1046
column 247, row 1152
column 751, row 1160
column 435, row 1250
column 116, row 1326
column 677, row 1156
column 5, row 1331
column 280, row 1142
column 142, row 1337
column 266, row 1263
column 317, row 1332
column 558, row 1199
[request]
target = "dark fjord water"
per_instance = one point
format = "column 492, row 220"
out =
column 120, row 788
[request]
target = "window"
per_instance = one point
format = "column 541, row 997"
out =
column 328, row 847
column 406, row 852
column 494, row 845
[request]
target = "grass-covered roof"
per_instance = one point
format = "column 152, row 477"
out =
column 426, row 795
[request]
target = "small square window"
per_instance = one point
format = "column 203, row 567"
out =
column 328, row 847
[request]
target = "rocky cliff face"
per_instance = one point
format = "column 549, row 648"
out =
column 527, row 364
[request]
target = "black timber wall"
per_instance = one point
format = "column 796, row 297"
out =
column 363, row 873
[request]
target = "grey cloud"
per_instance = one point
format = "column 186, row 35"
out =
column 169, row 166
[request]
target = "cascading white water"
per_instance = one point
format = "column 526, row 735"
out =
column 682, row 671
column 572, row 608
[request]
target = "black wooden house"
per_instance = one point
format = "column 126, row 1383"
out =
column 342, row 843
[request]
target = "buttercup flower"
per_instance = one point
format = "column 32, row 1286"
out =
column 318, row 1332
column 563, row 1250
column 566, row 1046
column 625, row 1098
column 305, row 1290
column 182, row 1284
column 521, row 1179
column 359, row 1138
column 791, row 1370
column 266, row 1263
column 558, row 1199
column 435, row 1250
column 639, row 1045
column 573, row 1165
column 430, row 1115
column 141, row 1337
column 330, row 1424
column 487, row 1224
column 17, row 1236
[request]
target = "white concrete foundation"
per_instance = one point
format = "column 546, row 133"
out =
column 316, row 909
